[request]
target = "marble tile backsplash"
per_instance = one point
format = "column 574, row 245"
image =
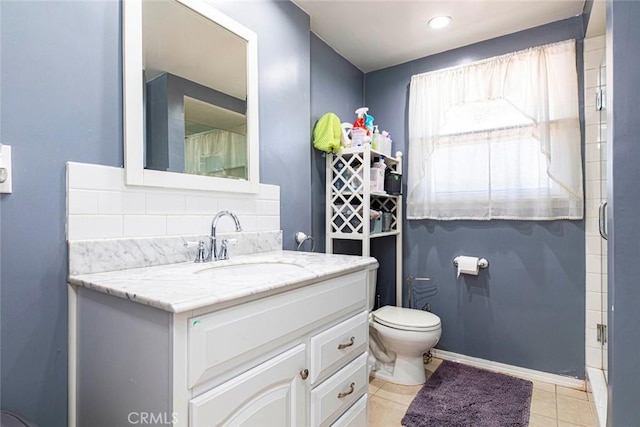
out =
column 96, row 256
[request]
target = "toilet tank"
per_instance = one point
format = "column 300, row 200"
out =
column 373, row 277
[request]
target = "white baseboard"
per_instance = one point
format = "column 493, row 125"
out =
column 516, row 371
column 599, row 389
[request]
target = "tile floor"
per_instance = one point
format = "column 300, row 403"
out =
column 551, row 405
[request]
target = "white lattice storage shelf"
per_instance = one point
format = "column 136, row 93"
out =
column 350, row 198
column 383, row 234
column 360, row 236
column 386, row 203
column 374, row 153
column 347, row 219
column 353, row 190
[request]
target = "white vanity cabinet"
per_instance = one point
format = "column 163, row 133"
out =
column 296, row 357
column 272, row 393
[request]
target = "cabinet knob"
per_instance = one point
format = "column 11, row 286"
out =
column 352, row 340
column 352, row 387
column 304, row 374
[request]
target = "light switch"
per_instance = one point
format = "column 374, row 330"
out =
column 5, row 169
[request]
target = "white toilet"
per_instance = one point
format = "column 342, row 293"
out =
column 407, row 332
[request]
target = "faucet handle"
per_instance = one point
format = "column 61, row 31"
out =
column 223, row 254
column 201, row 256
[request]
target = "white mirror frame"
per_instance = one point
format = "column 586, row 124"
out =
column 133, row 109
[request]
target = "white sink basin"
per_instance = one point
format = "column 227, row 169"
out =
column 251, row 269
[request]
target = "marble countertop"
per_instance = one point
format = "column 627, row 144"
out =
column 188, row 286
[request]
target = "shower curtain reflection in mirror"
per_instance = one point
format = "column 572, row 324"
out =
column 215, row 141
column 216, row 152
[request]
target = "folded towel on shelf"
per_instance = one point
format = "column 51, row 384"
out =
column 327, row 133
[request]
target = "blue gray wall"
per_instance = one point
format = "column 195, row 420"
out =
column 338, row 87
column 623, row 93
column 527, row 309
column 284, row 89
column 61, row 100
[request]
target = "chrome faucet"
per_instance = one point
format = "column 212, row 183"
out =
column 214, row 254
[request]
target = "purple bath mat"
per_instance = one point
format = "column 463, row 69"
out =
column 458, row 395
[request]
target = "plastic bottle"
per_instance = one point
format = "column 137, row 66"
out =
column 368, row 123
column 359, row 133
column 388, row 135
column 377, row 175
column 379, row 163
column 346, row 130
column 384, row 143
column 359, row 123
column 375, row 138
column 358, row 136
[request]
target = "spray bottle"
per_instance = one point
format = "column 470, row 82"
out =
column 359, row 133
column 359, row 123
column 368, row 123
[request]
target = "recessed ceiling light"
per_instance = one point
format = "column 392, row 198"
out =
column 439, row 22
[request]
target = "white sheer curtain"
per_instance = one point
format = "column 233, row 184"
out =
column 497, row 139
column 217, row 152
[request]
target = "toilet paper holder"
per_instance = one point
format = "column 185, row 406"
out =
column 482, row 262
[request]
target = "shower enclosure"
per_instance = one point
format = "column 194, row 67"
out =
column 601, row 99
column 596, row 215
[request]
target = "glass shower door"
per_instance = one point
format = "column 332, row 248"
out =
column 601, row 104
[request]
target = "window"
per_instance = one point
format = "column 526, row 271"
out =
column 497, row 139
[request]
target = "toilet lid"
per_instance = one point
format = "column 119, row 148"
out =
column 406, row 318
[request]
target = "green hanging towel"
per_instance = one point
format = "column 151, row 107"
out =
column 327, row 133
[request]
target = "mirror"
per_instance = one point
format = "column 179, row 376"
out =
column 190, row 97
column 215, row 141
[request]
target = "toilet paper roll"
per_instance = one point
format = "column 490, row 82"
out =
column 468, row 265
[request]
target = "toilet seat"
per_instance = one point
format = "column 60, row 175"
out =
column 406, row 319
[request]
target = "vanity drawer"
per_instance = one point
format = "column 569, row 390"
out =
column 336, row 346
column 227, row 338
column 356, row 416
column 331, row 398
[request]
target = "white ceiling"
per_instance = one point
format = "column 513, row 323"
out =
column 378, row 34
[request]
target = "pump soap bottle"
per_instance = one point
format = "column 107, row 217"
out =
column 375, row 138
